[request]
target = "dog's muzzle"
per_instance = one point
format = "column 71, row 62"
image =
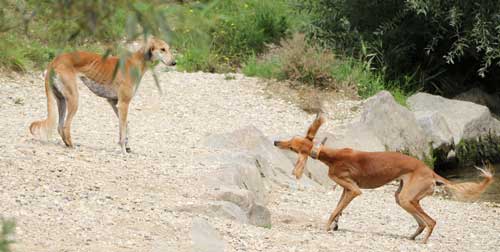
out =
column 276, row 143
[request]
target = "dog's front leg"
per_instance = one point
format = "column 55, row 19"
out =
column 122, row 114
column 351, row 191
column 113, row 103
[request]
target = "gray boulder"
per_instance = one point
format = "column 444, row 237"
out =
column 240, row 176
column 478, row 96
column 385, row 125
column 314, row 169
column 248, row 166
column 270, row 161
column 227, row 210
column 245, row 199
column 436, row 127
column 205, row 238
column 465, row 120
column 358, row 137
column 318, row 172
column 259, row 216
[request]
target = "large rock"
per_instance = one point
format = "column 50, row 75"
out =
column 478, row 96
column 259, row 216
column 245, row 199
column 384, row 125
column 240, row 176
column 248, row 166
column 358, row 137
column 435, row 126
column 227, row 210
column 314, row 169
column 205, row 238
column 465, row 120
column 270, row 161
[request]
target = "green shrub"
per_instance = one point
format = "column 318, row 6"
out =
column 302, row 63
column 266, row 68
column 7, row 228
column 219, row 36
column 306, row 63
column 477, row 151
column 32, row 32
column 446, row 46
column 12, row 55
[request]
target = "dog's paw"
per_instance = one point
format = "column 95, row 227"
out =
column 335, row 227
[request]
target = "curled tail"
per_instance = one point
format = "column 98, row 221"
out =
column 43, row 128
column 469, row 190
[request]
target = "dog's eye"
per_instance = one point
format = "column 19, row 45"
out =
column 163, row 49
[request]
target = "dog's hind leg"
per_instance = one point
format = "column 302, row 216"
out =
column 421, row 224
column 431, row 223
column 113, row 103
column 409, row 198
column 61, row 107
column 71, row 95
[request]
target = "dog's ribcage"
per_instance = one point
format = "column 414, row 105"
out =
column 98, row 80
column 102, row 90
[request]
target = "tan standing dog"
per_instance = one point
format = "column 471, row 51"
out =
column 104, row 78
column 355, row 170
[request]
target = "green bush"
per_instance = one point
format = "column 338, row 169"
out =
column 302, row 63
column 268, row 68
column 306, row 63
column 295, row 60
column 32, row 32
column 219, row 36
column 446, row 46
column 7, row 228
column 477, row 151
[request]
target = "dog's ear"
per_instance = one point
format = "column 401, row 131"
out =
column 299, row 166
column 313, row 129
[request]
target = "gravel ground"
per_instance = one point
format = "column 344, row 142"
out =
column 93, row 198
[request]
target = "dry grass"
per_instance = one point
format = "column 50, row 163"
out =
column 306, row 63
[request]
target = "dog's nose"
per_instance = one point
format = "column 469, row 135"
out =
column 276, row 143
column 174, row 63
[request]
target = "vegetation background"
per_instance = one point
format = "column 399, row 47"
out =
column 405, row 46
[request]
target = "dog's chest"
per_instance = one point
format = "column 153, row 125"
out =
column 102, row 90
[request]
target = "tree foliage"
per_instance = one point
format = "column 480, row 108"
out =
column 442, row 45
column 7, row 227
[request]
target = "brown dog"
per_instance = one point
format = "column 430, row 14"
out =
column 104, row 78
column 355, row 170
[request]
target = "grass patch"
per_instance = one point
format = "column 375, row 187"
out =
column 269, row 69
column 477, row 151
column 306, row 64
column 7, row 228
column 218, row 36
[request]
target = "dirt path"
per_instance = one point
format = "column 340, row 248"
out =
column 93, row 198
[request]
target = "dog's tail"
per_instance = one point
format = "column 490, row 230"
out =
column 469, row 190
column 43, row 128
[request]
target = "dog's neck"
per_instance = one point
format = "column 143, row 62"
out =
column 316, row 151
column 140, row 60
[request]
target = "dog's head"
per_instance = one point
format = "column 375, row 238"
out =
column 302, row 145
column 158, row 50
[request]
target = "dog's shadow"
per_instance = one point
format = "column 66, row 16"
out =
column 380, row 234
column 81, row 147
